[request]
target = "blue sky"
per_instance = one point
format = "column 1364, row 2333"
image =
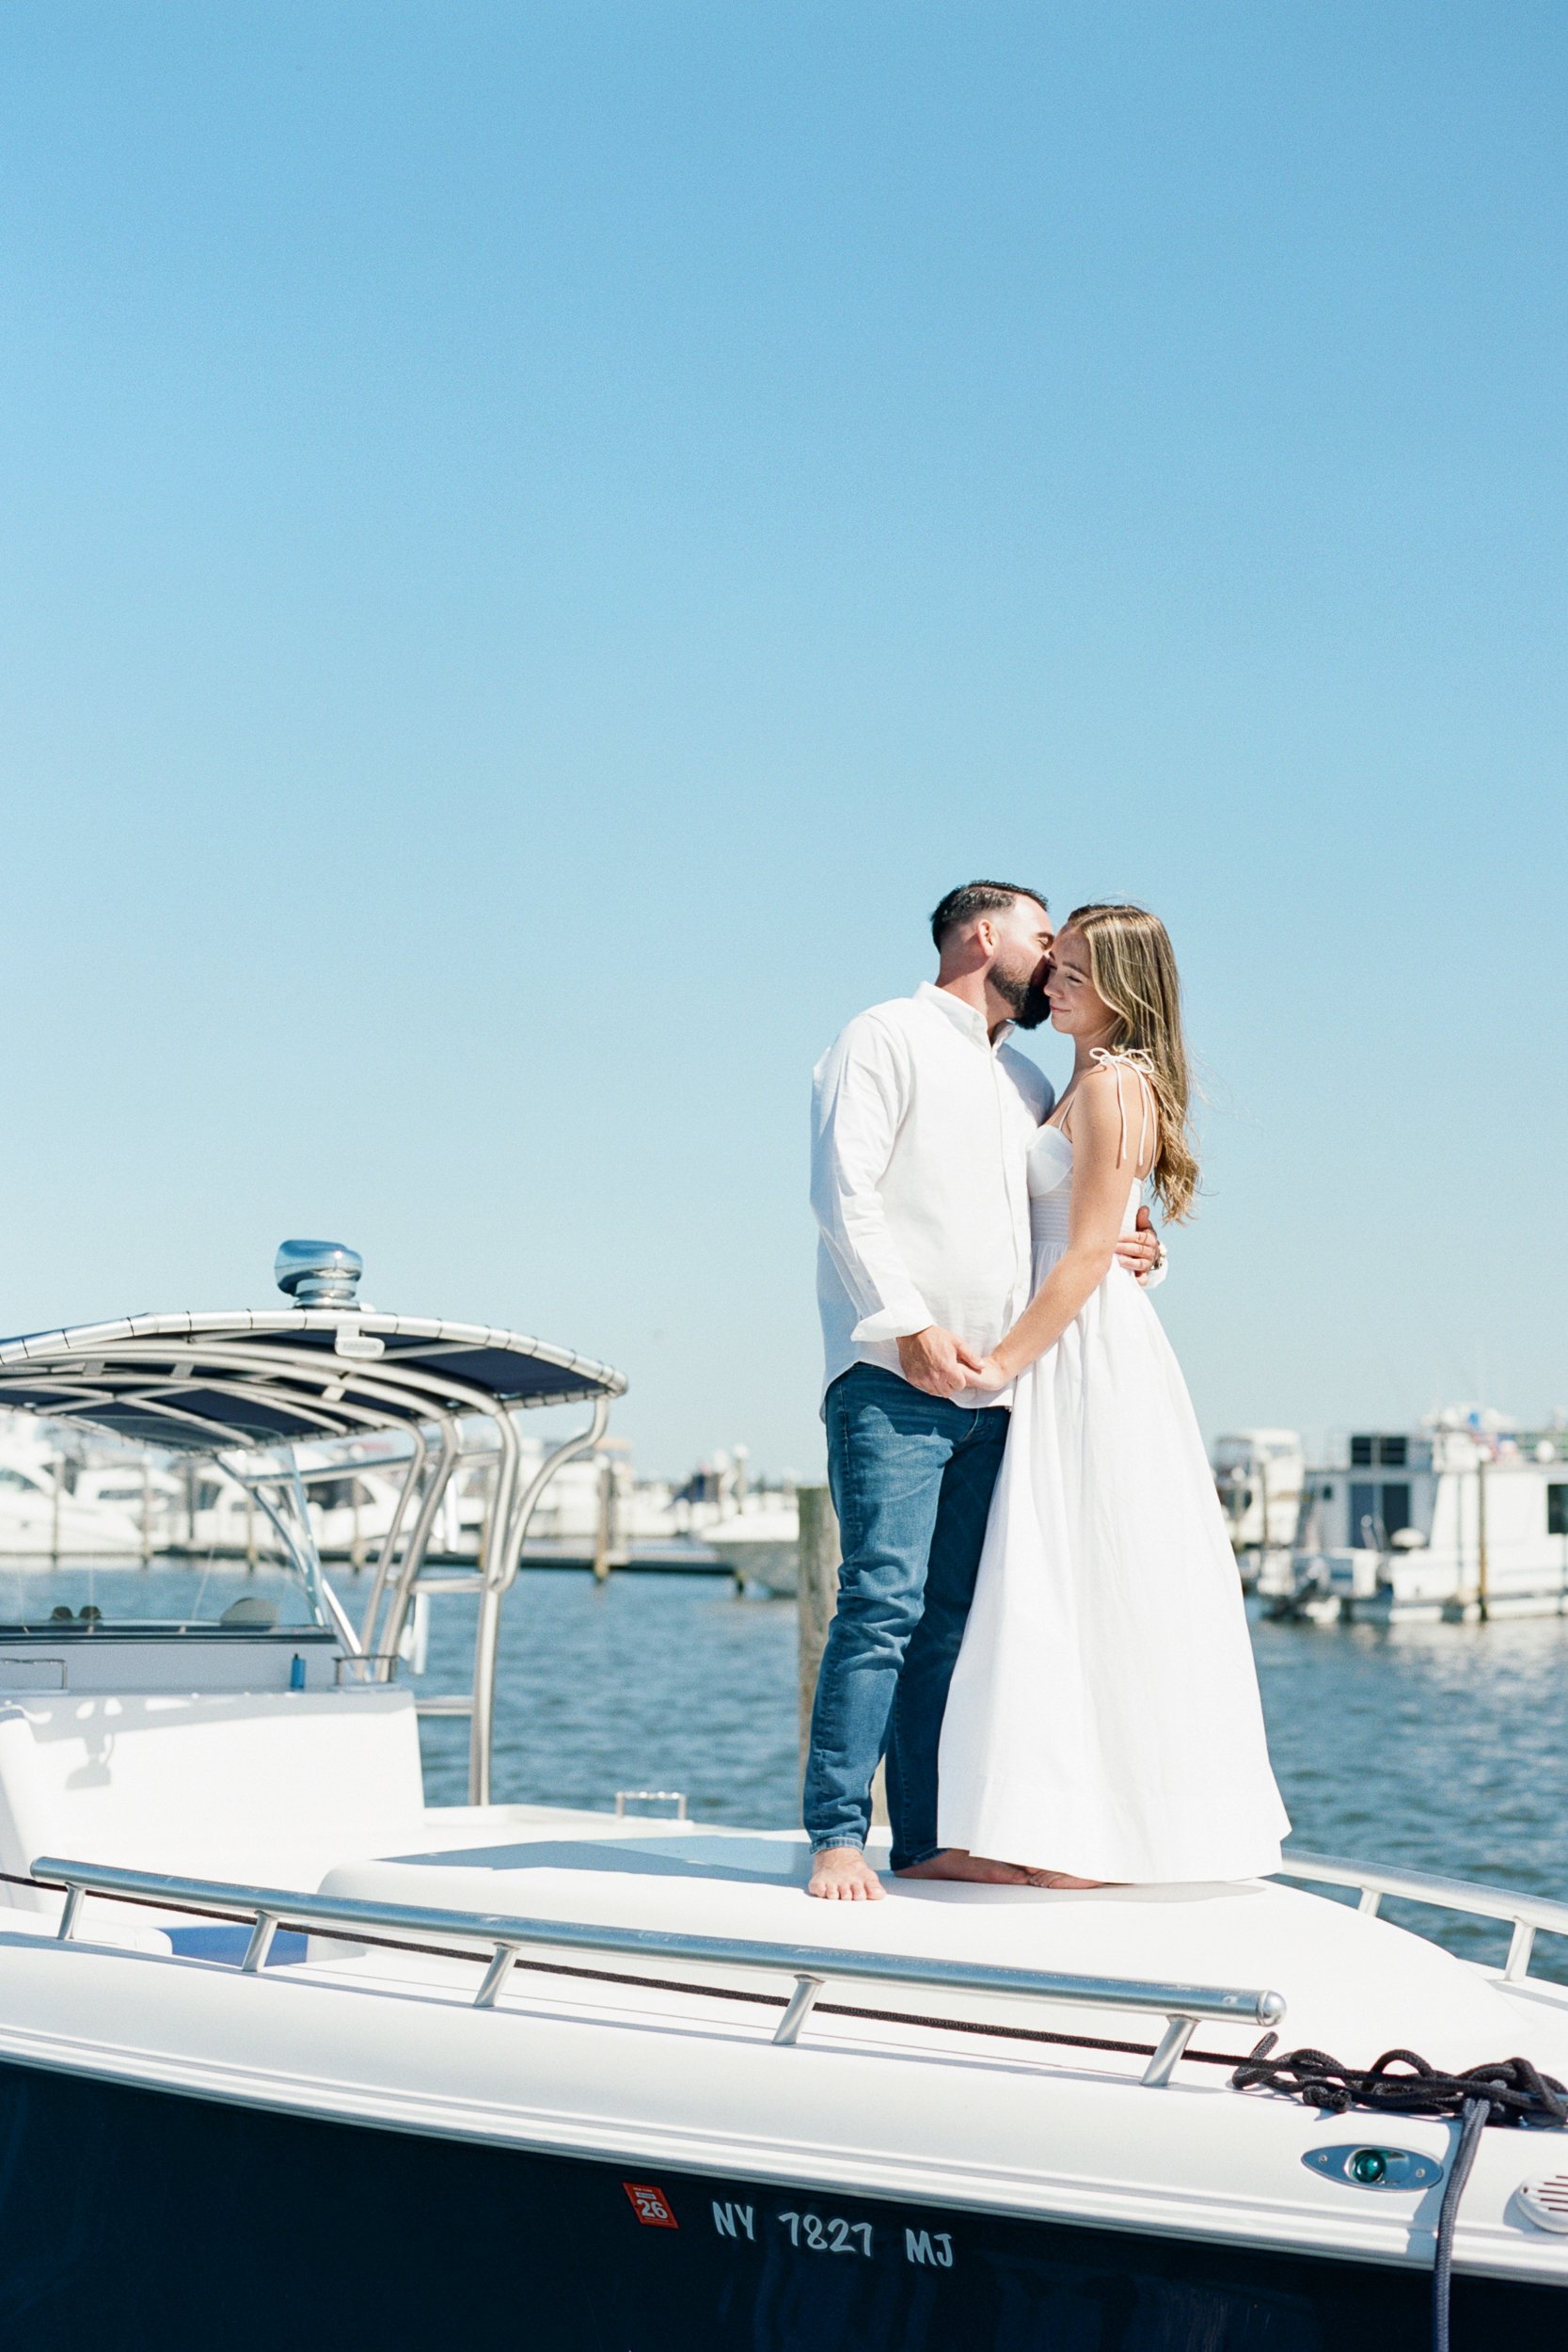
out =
column 539, row 539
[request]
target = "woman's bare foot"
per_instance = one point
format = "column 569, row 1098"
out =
column 841, row 1874
column 953, row 1862
column 1063, row 1881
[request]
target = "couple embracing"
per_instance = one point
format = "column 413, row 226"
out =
column 1039, row 1623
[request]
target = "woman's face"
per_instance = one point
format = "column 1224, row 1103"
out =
column 1077, row 1008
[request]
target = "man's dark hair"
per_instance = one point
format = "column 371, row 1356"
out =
column 978, row 898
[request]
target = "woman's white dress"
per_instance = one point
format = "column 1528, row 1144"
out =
column 1104, row 1718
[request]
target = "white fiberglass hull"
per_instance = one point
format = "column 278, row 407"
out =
column 953, row 2171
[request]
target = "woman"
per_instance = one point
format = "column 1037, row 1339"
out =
column 1103, row 1723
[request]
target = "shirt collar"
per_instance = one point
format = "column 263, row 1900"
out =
column 963, row 1017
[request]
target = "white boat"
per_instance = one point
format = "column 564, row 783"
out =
column 48, row 1513
column 754, row 1530
column 1463, row 1519
column 1259, row 1474
column 287, row 2056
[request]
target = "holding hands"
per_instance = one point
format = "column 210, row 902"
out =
column 937, row 1361
column 943, row 1365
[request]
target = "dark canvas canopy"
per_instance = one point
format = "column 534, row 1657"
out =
column 284, row 1375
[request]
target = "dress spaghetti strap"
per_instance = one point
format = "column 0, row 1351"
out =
column 1138, row 1062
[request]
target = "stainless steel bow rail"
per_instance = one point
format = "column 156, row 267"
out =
column 1182, row 2005
column 1527, row 1916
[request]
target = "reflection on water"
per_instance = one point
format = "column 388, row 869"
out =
column 1440, row 1747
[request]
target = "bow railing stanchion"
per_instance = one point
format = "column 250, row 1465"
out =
column 496, row 1976
column 70, row 1912
column 1161, row 2066
column 801, row 2002
column 500, row 1941
column 260, row 1942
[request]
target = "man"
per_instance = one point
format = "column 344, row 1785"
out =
column 923, row 1115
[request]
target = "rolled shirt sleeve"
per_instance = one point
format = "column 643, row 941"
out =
column 859, row 1097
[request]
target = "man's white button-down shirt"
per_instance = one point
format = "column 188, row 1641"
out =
column 920, row 1133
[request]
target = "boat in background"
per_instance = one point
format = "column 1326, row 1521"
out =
column 53, row 1507
column 1462, row 1519
column 754, row 1529
column 617, row 2076
column 140, row 1503
column 1259, row 1475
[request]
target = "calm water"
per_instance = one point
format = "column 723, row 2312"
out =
column 1441, row 1747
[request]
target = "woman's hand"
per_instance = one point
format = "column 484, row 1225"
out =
column 990, row 1377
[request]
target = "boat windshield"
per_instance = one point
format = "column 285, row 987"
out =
column 223, row 1555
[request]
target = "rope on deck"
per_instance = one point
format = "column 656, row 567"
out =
column 1508, row 2092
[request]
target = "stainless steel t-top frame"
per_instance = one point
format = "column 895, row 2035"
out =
column 401, row 1573
column 246, row 1388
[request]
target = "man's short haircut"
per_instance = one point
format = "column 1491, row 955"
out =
column 978, row 898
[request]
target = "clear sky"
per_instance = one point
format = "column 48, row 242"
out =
column 538, row 539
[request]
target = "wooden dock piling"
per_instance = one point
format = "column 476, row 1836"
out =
column 817, row 1592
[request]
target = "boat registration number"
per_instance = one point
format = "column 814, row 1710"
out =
column 830, row 2233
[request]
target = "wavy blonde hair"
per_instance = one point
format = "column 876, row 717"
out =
column 1133, row 966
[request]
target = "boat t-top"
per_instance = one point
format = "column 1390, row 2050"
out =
column 289, row 2056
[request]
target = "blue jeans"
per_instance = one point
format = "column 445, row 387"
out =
column 911, row 1478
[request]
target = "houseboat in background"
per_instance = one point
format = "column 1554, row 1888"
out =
column 1464, row 1519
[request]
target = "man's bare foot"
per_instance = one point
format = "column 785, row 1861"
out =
column 953, row 1862
column 1063, row 1881
column 841, row 1874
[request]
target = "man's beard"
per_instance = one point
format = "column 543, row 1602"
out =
column 1023, row 994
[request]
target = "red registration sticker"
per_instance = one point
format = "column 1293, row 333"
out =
column 651, row 2206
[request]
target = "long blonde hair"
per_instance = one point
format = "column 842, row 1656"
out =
column 1133, row 966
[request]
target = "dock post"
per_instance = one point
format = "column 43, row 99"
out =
column 604, row 1532
column 1484, row 1581
column 816, row 1591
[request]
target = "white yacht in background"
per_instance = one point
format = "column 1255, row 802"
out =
column 49, row 1510
column 1464, row 1519
column 287, row 2056
column 754, row 1530
column 1259, row 1474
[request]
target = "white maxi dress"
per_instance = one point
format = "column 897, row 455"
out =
column 1104, row 1718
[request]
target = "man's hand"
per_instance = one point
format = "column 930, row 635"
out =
column 937, row 1361
column 1139, row 1251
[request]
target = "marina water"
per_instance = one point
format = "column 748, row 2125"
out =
column 1438, row 1747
